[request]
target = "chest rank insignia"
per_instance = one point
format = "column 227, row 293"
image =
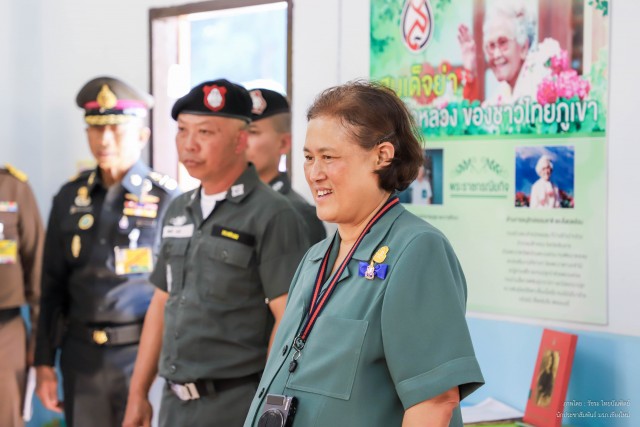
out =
column 85, row 222
column 82, row 198
column 375, row 268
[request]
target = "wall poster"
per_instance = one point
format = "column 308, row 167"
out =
column 511, row 97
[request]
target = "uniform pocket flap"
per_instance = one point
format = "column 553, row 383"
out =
column 329, row 360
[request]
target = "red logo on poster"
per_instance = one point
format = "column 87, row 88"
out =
column 417, row 24
column 214, row 97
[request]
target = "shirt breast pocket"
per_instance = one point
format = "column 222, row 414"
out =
column 226, row 275
column 330, row 358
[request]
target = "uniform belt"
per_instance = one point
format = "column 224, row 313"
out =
column 200, row 388
column 108, row 335
column 7, row 314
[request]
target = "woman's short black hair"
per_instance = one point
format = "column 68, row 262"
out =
column 371, row 113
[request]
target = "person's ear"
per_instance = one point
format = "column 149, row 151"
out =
column 242, row 141
column 285, row 143
column 143, row 136
column 385, row 153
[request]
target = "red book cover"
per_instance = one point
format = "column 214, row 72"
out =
column 550, row 379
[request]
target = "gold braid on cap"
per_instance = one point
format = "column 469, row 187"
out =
column 106, row 98
column 108, row 119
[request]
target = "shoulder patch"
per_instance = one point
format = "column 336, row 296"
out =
column 17, row 173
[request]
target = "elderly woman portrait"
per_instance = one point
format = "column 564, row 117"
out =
column 509, row 50
column 544, row 193
column 374, row 332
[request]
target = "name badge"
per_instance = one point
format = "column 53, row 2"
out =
column 133, row 261
column 8, row 251
column 177, row 231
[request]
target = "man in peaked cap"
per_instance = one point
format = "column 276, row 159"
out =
column 269, row 139
column 229, row 251
column 100, row 246
column 21, row 241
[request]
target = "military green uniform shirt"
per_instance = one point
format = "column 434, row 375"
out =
column 315, row 228
column 218, row 272
column 380, row 346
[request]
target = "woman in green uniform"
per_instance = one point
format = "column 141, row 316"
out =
column 374, row 333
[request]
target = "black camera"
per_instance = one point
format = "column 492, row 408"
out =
column 278, row 411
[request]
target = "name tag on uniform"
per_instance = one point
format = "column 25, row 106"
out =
column 8, row 251
column 177, row 231
column 133, row 261
column 231, row 234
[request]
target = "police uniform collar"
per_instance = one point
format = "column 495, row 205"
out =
column 369, row 244
column 281, row 183
column 243, row 185
column 133, row 181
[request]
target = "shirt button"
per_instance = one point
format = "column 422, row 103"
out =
column 199, row 232
column 183, row 299
column 284, row 349
column 261, row 393
column 103, row 241
column 173, row 368
column 176, row 334
column 225, row 254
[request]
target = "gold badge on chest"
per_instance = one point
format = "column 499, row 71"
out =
column 76, row 245
column 85, row 222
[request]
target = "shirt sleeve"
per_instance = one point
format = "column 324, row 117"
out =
column 31, row 232
column 424, row 331
column 283, row 245
column 54, row 300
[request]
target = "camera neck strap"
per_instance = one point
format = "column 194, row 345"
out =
column 319, row 299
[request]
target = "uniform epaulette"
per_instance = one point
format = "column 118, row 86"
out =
column 21, row 176
column 164, row 181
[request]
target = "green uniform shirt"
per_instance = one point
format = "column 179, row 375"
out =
column 218, row 272
column 315, row 227
column 380, row 346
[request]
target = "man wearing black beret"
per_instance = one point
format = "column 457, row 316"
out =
column 102, row 237
column 269, row 139
column 229, row 251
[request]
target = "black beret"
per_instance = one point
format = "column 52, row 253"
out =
column 215, row 98
column 267, row 103
column 111, row 101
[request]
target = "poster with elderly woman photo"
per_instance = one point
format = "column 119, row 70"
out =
column 514, row 92
column 495, row 67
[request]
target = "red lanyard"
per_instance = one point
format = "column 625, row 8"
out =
column 318, row 300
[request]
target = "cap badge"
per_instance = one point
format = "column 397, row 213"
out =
column 214, row 97
column 106, row 98
column 259, row 103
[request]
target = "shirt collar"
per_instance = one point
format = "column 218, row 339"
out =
column 132, row 181
column 281, row 183
column 369, row 244
column 240, row 189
